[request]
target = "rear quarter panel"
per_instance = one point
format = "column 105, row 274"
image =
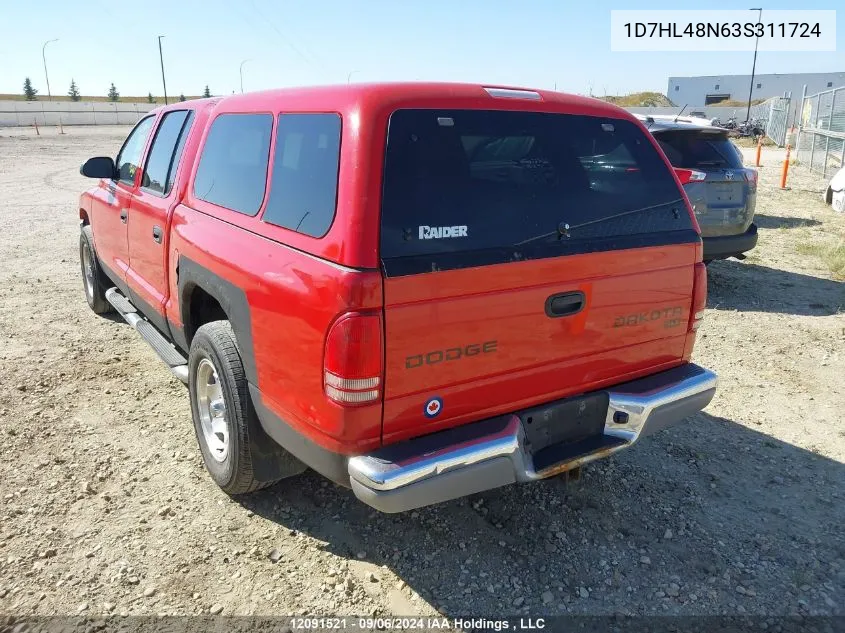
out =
column 293, row 299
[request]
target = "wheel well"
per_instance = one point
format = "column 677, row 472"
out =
column 203, row 309
column 83, row 215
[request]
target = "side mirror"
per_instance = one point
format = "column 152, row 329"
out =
column 99, row 167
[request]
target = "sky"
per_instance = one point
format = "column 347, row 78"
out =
column 531, row 43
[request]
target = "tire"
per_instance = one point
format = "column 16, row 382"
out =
column 92, row 274
column 216, row 372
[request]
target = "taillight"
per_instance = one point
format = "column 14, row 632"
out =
column 686, row 176
column 699, row 296
column 689, row 175
column 751, row 176
column 352, row 361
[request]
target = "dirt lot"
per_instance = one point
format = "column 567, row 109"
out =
column 106, row 507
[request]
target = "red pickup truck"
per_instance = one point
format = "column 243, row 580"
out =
column 421, row 291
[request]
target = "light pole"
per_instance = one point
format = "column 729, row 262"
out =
column 161, row 59
column 242, row 73
column 44, row 57
column 349, row 76
column 754, row 65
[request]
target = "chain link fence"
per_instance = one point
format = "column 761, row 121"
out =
column 821, row 137
column 773, row 115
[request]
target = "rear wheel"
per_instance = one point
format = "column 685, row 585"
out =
column 221, row 408
column 92, row 275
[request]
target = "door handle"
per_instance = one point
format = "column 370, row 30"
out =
column 564, row 304
column 157, row 234
column 124, row 216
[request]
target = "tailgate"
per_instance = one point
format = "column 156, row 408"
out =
column 723, row 202
column 526, row 257
column 484, row 341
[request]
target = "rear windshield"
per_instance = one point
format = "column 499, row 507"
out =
column 473, row 187
column 693, row 149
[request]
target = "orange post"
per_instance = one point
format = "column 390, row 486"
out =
column 759, row 149
column 785, row 168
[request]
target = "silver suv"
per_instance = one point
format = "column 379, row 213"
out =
column 723, row 193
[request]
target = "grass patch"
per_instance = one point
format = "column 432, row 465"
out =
column 733, row 103
column 831, row 253
column 641, row 99
column 750, row 141
column 744, row 141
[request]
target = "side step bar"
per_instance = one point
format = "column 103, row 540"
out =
column 170, row 355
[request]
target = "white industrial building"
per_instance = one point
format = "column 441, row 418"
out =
column 710, row 90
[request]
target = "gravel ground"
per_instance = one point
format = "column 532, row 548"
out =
column 106, row 507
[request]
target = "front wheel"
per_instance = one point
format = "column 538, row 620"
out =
column 91, row 273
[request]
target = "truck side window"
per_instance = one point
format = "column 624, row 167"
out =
column 129, row 159
column 164, row 155
column 232, row 172
column 303, row 193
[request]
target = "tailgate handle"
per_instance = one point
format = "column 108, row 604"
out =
column 564, row 304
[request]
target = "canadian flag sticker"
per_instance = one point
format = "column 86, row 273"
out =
column 433, row 408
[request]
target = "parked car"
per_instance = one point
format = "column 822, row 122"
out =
column 676, row 118
column 700, row 117
column 416, row 290
column 722, row 192
column 834, row 194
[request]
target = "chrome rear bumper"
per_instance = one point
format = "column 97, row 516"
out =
column 492, row 453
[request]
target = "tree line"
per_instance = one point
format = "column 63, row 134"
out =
column 31, row 93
